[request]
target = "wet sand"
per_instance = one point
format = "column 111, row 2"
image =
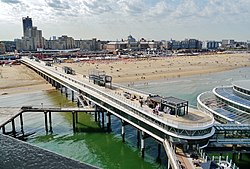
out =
column 20, row 79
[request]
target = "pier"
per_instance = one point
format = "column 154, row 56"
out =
column 172, row 120
column 185, row 123
column 10, row 114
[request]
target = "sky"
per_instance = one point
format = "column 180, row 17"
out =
column 116, row 19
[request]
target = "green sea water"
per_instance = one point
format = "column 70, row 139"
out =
column 94, row 145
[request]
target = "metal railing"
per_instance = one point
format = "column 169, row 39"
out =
column 135, row 108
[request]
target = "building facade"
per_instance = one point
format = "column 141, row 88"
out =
column 32, row 37
column 2, row 48
column 27, row 24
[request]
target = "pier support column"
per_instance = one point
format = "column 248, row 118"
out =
column 138, row 138
column 72, row 96
column 46, row 122
column 73, row 121
column 78, row 103
column 56, row 85
column 239, row 156
column 96, row 116
column 123, row 131
column 66, row 92
column 102, row 119
column 52, row 82
column 76, row 117
column 21, row 123
column 61, row 88
column 13, row 127
column 3, row 129
column 142, row 144
column 50, row 123
column 109, row 121
column 234, row 154
column 159, row 151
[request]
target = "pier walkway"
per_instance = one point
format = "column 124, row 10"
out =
column 7, row 113
column 188, row 124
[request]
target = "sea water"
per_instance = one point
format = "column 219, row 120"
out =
column 94, row 145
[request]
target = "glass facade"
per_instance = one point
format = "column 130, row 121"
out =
column 27, row 23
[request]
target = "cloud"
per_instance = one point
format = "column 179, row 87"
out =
column 96, row 6
column 58, row 4
column 11, row 1
column 130, row 15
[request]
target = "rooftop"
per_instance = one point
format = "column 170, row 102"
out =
column 244, row 84
column 227, row 93
column 174, row 100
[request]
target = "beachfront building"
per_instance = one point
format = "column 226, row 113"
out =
column 227, row 43
column 211, row 45
column 10, row 46
column 27, row 24
column 32, row 37
column 229, row 104
column 185, row 44
column 62, row 43
column 89, row 45
column 2, row 48
column 132, row 45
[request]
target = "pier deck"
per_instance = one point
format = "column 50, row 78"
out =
column 7, row 113
column 193, row 118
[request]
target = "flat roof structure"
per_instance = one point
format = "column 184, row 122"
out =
column 244, row 84
column 222, row 111
column 228, row 94
column 174, row 101
column 228, row 103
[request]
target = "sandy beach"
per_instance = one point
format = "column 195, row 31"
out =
column 19, row 79
column 148, row 69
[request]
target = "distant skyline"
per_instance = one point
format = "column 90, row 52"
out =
column 116, row 19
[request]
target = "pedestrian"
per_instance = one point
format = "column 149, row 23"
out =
column 141, row 102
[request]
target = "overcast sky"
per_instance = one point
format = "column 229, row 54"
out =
column 116, row 19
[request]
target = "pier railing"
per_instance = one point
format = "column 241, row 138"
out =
column 172, row 159
column 133, row 107
column 202, row 98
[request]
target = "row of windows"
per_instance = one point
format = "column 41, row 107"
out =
column 242, row 90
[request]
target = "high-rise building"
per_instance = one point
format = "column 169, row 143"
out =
column 27, row 24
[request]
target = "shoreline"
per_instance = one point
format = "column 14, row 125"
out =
column 148, row 69
column 21, row 79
